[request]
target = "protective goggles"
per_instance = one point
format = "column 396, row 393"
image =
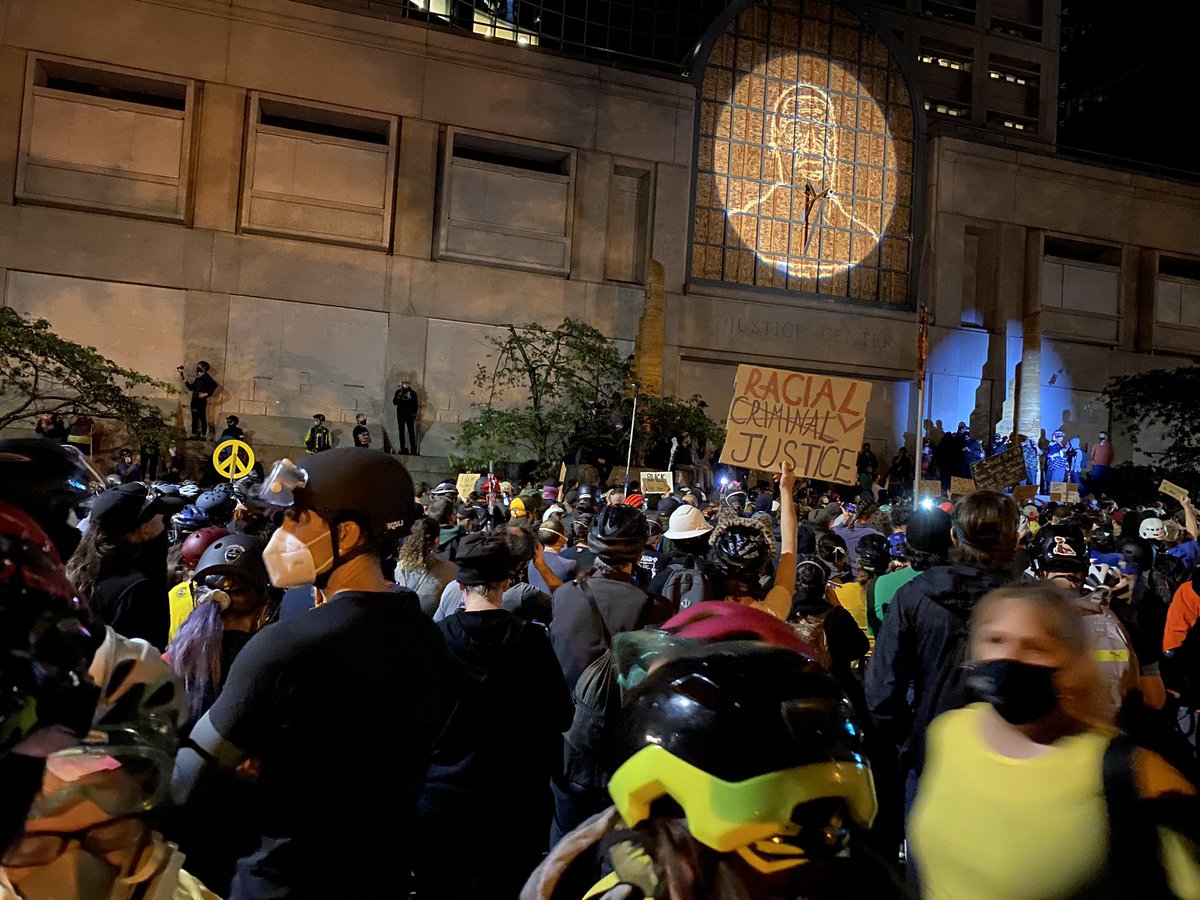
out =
column 120, row 779
column 40, row 848
column 279, row 488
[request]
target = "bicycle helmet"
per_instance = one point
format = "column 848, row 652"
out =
column 716, row 620
column 1152, row 529
column 618, row 534
column 136, row 685
column 113, row 481
column 217, row 506
column 1138, row 551
column 755, row 743
column 48, row 636
column 197, row 542
column 1060, row 548
column 233, row 556
column 1115, row 577
column 346, row 484
column 447, row 489
column 48, row 482
column 246, row 488
column 224, row 489
column 189, row 490
column 189, row 519
column 165, row 489
column 874, row 553
column 637, row 501
column 741, row 551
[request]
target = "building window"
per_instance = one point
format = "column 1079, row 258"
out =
column 960, row 11
column 506, row 202
column 100, row 137
column 948, row 108
column 1080, row 277
column 627, row 235
column 319, row 172
column 805, row 157
column 1177, row 292
column 1011, row 122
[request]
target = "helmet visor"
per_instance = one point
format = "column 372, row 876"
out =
column 281, row 485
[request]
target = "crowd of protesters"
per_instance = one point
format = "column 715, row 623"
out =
column 327, row 681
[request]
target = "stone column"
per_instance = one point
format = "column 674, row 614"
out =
column 1029, row 384
column 651, row 336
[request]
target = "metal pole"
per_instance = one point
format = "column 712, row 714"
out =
column 920, row 442
column 629, row 454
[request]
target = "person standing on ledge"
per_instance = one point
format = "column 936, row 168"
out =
column 407, row 406
column 361, row 433
column 317, row 438
column 202, row 387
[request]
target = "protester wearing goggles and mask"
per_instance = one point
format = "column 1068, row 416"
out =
column 311, row 693
column 1027, row 793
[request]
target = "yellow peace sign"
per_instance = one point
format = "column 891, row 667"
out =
column 233, row 459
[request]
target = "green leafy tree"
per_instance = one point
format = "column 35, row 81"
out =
column 663, row 418
column 536, row 397
column 41, row 372
column 1167, row 401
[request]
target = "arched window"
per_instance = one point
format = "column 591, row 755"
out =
column 807, row 156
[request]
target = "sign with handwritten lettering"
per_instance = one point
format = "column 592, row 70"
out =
column 814, row 421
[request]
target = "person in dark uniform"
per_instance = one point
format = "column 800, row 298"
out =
column 407, row 405
column 203, row 386
column 361, row 433
column 233, row 430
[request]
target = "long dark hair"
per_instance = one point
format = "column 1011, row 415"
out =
column 418, row 548
column 97, row 556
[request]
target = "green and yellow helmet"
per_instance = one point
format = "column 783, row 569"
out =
column 756, row 745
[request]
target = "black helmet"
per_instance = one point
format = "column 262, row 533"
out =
column 756, row 744
column 245, row 489
column 216, row 505
column 345, row 484
column 874, row 553
column 236, row 556
column 1138, row 551
column 1061, row 548
column 232, row 420
column 618, row 534
column 741, row 551
column 46, row 481
column 588, row 492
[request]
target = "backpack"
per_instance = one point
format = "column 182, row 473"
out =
column 1113, row 650
column 685, row 585
column 811, row 630
column 597, row 703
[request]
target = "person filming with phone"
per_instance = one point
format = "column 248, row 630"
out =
column 203, row 386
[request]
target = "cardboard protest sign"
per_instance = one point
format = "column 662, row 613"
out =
column 1173, row 491
column 1064, row 492
column 562, row 474
column 930, row 488
column 466, row 484
column 959, row 486
column 658, row 482
column 1024, row 492
column 814, row 421
column 1001, row 471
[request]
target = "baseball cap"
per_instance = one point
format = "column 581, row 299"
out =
column 929, row 531
column 687, row 522
column 121, row 510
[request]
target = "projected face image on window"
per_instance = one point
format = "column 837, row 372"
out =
column 805, row 158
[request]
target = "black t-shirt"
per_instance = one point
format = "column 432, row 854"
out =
column 341, row 707
column 359, row 433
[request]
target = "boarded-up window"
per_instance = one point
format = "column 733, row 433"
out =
column 628, row 224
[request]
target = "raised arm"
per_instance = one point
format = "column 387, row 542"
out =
column 785, row 572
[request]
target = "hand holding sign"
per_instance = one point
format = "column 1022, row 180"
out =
column 814, row 422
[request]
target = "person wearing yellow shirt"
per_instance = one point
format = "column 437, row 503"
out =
column 1028, row 794
column 180, row 597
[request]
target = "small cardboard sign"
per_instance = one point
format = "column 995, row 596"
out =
column 1002, row 471
column 960, row 486
column 658, row 483
column 1174, row 491
column 1023, row 493
column 466, row 483
column 562, row 475
column 929, row 488
column 1064, row 492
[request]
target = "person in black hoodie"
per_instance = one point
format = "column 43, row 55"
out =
column 916, row 671
column 491, row 768
column 120, row 567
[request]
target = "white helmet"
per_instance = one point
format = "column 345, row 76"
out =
column 1106, row 579
column 189, row 490
column 1152, row 530
column 136, row 685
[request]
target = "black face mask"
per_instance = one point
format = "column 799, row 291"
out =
column 1020, row 692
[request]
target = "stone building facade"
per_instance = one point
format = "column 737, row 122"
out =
column 319, row 203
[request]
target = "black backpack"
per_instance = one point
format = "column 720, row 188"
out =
column 597, row 705
column 685, row 585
